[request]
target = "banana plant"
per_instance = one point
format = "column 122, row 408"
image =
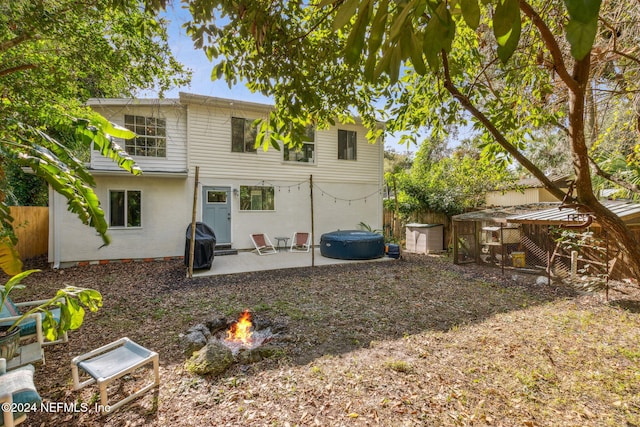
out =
column 49, row 159
column 71, row 301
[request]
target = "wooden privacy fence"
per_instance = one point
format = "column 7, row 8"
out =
column 395, row 230
column 31, row 225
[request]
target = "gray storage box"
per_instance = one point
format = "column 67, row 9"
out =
column 424, row 238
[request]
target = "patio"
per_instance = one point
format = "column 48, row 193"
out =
column 245, row 262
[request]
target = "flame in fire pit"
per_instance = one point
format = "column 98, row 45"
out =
column 240, row 331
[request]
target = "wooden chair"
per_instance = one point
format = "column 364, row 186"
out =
column 300, row 242
column 263, row 244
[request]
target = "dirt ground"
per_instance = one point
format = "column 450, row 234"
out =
column 414, row 342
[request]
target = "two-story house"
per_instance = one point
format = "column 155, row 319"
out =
column 240, row 189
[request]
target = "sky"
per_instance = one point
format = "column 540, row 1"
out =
column 201, row 67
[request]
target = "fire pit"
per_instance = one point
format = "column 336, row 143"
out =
column 216, row 345
column 242, row 336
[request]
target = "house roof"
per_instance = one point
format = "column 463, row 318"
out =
column 625, row 209
column 561, row 181
column 96, row 102
column 501, row 213
column 190, row 98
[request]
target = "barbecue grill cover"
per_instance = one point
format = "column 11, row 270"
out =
column 205, row 243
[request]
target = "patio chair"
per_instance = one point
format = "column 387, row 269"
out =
column 263, row 244
column 300, row 242
column 17, row 388
column 29, row 328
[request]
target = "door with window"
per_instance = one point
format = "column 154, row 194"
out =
column 216, row 212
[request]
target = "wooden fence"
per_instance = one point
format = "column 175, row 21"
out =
column 395, row 230
column 31, row 225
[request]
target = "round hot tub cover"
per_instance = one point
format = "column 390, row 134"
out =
column 352, row 244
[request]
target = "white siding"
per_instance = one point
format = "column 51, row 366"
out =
column 210, row 148
column 345, row 192
column 176, row 119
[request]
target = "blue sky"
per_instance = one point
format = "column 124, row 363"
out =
column 201, row 83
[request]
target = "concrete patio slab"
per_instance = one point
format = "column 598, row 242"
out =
column 245, row 262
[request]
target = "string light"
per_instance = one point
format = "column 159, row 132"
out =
column 323, row 193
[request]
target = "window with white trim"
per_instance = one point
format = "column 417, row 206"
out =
column 256, row 198
column 304, row 153
column 125, row 208
column 243, row 135
column 151, row 140
column 347, row 140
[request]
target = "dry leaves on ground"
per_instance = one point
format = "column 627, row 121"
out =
column 418, row 341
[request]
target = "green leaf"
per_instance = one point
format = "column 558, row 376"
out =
column 394, row 64
column 325, row 3
column 581, row 36
column 49, row 326
column 344, row 13
column 90, row 298
column 14, row 281
column 383, row 64
column 400, row 19
column 355, row 41
column 378, row 26
column 416, row 54
column 438, row 35
column 370, row 67
column 583, row 10
column 110, row 128
column 471, row 13
column 582, row 26
column 510, row 43
column 506, row 28
column 10, row 261
column 507, row 11
column 431, row 45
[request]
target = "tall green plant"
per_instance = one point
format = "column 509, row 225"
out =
column 54, row 55
column 71, row 301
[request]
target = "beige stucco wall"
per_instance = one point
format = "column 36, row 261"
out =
column 516, row 198
column 166, row 207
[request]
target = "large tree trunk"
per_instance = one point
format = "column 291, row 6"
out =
column 614, row 226
column 610, row 222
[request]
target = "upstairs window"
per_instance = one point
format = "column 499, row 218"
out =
column 347, row 144
column 305, row 153
column 243, row 135
column 125, row 208
column 152, row 136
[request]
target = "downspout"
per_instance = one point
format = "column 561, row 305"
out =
column 380, row 185
column 54, row 224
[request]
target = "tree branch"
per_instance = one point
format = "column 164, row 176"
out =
column 317, row 24
column 498, row 136
column 9, row 44
column 634, row 188
column 550, row 41
column 12, row 70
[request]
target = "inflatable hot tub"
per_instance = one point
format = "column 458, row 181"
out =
column 352, row 244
